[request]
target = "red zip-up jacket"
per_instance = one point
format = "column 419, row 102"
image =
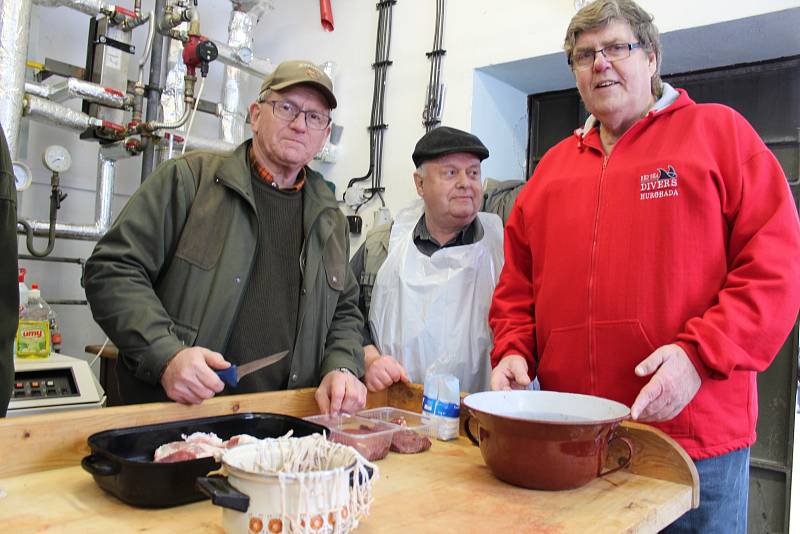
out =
column 687, row 233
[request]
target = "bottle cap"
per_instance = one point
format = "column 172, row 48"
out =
column 21, row 275
column 34, row 286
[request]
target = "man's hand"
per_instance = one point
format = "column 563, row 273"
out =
column 189, row 377
column 673, row 385
column 510, row 373
column 384, row 372
column 340, row 392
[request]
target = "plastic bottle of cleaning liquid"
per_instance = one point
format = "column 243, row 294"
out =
column 33, row 333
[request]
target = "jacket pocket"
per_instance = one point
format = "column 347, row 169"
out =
column 619, row 347
column 206, row 229
column 564, row 364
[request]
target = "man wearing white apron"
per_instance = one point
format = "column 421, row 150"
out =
column 427, row 280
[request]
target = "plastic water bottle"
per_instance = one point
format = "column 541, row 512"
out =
column 33, row 333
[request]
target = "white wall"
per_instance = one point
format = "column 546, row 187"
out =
column 482, row 35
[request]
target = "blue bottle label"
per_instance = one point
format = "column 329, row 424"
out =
column 438, row 407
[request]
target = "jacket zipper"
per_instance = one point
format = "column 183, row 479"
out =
column 592, row 264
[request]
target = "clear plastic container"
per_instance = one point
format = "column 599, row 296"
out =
column 414, row 433
column 369, row 437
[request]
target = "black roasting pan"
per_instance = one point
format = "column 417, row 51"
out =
column 122, row 464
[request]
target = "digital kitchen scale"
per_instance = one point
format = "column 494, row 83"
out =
column 53, row 384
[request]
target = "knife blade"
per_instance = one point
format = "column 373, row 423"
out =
column 234, row 373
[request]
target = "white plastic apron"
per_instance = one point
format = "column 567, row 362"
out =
column 431, row 313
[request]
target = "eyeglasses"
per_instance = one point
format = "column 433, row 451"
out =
column 287, row 111
column 584, row 58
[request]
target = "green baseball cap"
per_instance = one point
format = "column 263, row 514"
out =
column 290, row 73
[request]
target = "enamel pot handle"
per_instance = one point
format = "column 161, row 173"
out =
column 467, row 431
column 222, row 493
column 623, row 462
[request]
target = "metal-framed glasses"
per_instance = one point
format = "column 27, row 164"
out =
column 584, row 58
column 287, row 111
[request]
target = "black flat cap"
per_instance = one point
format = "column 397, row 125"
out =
column 445, row 140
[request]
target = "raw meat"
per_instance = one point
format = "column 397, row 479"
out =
column 241, row 439
column 371, row 448
column 181, row 451
column 409, row 442
column 198, row 445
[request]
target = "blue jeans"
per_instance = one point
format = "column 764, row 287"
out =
column 724, row 483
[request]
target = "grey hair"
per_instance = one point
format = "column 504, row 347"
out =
column 603, row 12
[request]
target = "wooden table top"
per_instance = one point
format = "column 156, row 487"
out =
column 446, row 489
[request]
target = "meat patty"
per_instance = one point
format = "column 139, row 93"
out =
column 409, row 442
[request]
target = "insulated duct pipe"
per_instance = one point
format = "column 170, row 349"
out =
column 15, row 20
column 200, row 143
column 87, row 7
column 102, row 209
column 240, row 37
column 256, row 66
column 42, row 110
column 77, row 88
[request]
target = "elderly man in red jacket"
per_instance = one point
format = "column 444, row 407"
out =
column 654, row 259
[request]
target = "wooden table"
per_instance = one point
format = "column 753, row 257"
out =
column 447, row 489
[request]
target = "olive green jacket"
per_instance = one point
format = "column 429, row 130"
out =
column 171, row 272
column 9, row 290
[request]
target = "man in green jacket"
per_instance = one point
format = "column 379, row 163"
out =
column 223, row 259
column 9, row 292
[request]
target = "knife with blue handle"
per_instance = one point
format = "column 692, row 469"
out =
column 234, row 373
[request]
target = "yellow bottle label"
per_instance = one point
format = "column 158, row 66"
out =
column 33, row 339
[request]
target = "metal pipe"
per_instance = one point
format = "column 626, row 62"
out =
column 102, row 209
column 42, row 110
column 88, row 7
column 200, row 143
column 154, row 89
column 255, row 66
column 75, row 87
column 24, row 225
column 240, row 37
column 151, row 32
column 167, row 125
column 41, row 90
column 15, row 20
column 105, row 96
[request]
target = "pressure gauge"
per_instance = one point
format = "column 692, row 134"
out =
column 56, row 158
column 245, row 55
column 23, row 178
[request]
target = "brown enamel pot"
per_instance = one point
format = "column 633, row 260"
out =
column 545, row 440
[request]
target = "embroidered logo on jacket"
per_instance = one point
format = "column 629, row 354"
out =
column 659, row 184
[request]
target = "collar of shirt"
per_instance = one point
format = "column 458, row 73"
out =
column 266, row 176
column 427, row 244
